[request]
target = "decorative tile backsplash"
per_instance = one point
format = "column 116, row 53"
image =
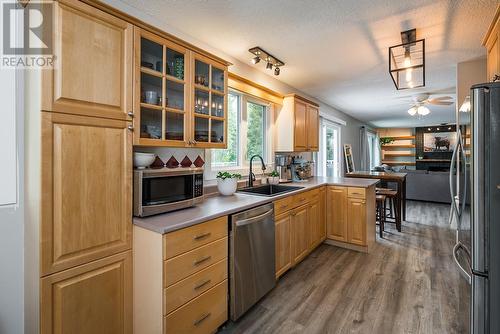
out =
column 165, row 153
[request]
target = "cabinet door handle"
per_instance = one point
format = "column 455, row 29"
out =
column 131, row 114
column 201, row 236
column 201, row 319
column 201, row 285
column 130, row 127
column 200, row 261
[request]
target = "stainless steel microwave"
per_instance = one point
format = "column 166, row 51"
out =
column 163, row 190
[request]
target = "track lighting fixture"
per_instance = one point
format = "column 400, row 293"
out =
column 271, row 61
column 255, row 60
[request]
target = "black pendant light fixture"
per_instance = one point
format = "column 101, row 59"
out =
column 271, row 61
column 407, row 61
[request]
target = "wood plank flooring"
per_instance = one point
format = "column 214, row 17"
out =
column 408, row 284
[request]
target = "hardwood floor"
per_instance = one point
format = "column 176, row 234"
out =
column 408, row 284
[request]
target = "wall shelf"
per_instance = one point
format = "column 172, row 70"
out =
column 401, row 137
column 399, row 163
column 399, row 154
column 398, row 146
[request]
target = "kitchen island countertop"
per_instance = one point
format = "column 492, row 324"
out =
column 217, row 206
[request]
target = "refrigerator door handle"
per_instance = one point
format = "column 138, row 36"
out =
column 464, row 191
column 464, row 272
column 454, row 209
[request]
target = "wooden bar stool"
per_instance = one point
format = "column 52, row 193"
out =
column 392, row 196
column 381, row 211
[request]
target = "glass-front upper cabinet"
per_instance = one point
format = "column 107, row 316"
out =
column 161, row 95
column 209, row 103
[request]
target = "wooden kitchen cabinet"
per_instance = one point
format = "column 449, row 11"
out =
column 351, row 217
column 180, row 95
column 300, row 234
column 92, row 73
column 298, row 125
column 91, row 298
column 492, row 43
column 181, row 279
column 356, row 213
column 283, row 233
column 86, row 190
column 312, row 126
column 300, row 132
column 314, row 216
column 337, row 213
column 161, row 101
column 209, row 103
column 300, row 227
column 322, row 213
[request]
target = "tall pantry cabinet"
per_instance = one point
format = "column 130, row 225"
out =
column 86, row 158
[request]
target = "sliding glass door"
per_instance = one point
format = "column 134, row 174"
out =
column 329, row 155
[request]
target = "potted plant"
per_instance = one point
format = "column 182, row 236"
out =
column 227, row 182
column 386, row 140
column 274, row 177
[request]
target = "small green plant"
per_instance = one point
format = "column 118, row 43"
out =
column 227, row 175
column 386, row 140
column 274, row 174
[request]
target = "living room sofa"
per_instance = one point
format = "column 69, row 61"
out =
column 428, row 186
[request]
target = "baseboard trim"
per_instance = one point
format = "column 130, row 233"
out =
column 363, row 249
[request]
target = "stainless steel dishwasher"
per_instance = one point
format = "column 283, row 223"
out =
column 252, row 259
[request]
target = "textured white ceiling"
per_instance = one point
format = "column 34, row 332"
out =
column 337, row 51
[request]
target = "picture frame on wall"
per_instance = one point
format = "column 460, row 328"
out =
column 349, row 161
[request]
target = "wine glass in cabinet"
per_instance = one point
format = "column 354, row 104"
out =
column 209, row 103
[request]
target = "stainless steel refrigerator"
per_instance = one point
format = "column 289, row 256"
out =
column 475, row 189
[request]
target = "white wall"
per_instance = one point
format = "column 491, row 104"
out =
column 469, row 73
column 350, row 132
column 11, row 216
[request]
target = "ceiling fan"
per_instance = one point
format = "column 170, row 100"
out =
column 418, row 103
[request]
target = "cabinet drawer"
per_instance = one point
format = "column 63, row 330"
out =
column 182, row 266
column 283, row 205
column 301, row 199
column 356, row 192
column 201, row 315
column 186, row 239
column 180, row 293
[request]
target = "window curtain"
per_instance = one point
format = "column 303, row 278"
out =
column 378, row 150
column 364, row 149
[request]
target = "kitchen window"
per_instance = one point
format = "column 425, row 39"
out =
column 248, row 133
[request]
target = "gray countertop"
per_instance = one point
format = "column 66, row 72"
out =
column 218, row 206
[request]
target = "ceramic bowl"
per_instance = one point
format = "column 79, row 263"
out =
column 143, row 160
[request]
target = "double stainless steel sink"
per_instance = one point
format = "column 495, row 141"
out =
column 269, row 190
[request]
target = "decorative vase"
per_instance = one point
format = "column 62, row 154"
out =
column 273, row 179
column 227, row 186
column 186, row 162
column 198, row 162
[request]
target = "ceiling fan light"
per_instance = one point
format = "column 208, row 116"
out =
column 412, row 111
column 465, row 107
column 423, row 111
